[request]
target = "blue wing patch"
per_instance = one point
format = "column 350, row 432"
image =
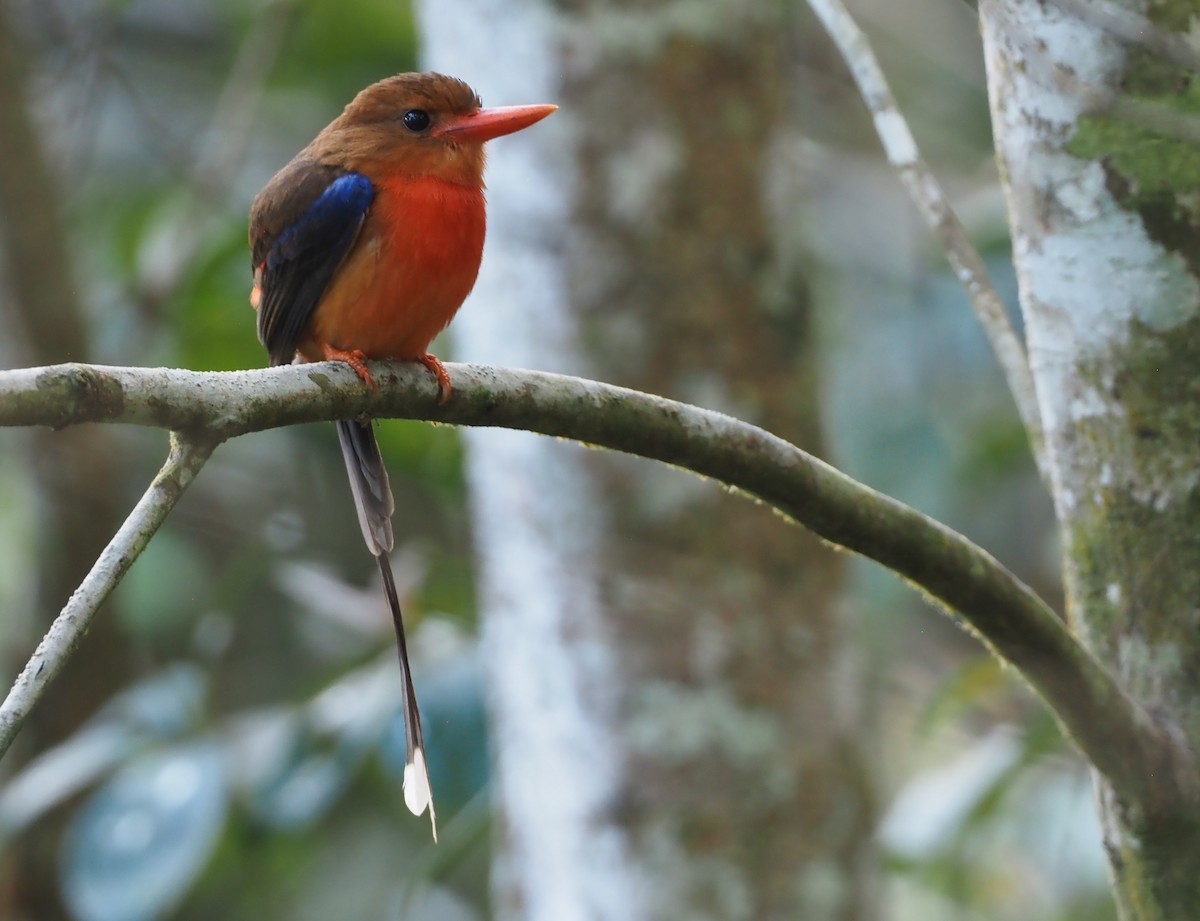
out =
column 302, row 257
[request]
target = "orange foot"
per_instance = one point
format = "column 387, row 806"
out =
column 435, row 366
column 355, row 358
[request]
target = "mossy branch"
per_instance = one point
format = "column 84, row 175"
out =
column 1120, row 739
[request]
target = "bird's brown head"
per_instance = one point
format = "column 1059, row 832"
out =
column 420, row 125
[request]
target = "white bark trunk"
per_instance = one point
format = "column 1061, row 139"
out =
column 1088, row 269
column 551, row 662
column 731, row 788
column 1103, row 228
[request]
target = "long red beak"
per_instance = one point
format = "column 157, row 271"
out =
column 485, row 124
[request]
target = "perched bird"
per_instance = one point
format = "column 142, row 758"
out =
column 364, row 246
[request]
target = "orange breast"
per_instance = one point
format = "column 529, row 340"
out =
column 413, row 265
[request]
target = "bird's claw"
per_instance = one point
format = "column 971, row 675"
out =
column 356, row 359
column 438, row 370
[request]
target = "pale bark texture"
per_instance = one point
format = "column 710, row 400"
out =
column 677, row 718
column 1104, row 225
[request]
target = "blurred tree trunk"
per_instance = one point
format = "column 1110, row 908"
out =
column 1102, row 192
column 679, row 727
column 73, row 473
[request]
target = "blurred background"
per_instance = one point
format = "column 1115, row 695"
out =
column 721, row 228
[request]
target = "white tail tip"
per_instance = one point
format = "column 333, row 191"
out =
column 417, row 794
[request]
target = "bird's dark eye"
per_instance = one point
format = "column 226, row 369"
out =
column 416, row 119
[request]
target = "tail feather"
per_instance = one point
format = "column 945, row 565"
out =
column 369, row 483
column 417, row 792
column 374, row 503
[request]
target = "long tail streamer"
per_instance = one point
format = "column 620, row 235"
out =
column 374, row 503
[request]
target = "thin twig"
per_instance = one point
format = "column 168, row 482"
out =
column 183, row 463
column 1111, row 729
column 901, row 150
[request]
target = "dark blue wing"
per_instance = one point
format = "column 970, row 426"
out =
column 302, row 226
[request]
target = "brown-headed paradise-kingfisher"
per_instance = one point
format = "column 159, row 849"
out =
column 364, row 246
